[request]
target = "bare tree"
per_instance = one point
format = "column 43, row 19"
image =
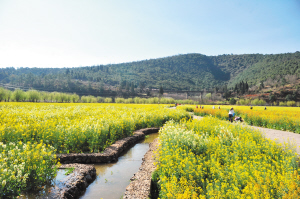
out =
column 291, row 79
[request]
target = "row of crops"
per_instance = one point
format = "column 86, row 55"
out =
column 31, row 134
column 210, row 158
column 280, row 118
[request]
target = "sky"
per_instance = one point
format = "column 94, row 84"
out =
column 73, row 33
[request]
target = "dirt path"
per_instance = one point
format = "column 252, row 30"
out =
column 277, row 135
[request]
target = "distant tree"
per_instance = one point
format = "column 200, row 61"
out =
column 33, row 95
column 283, row 81
column 208, row 96
column 161, row 90
column 289, row 97
column 294, row 95
column 101, row 88
column 18, row 95
column 272, row 98
column 8, row 95
column 142, row 86
column 74, row 98
column 132, row 88
column 2, row 93
column 246, row 87
column 261, row 85
column 232, row 101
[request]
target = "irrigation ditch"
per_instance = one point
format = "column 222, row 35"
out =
column 122, row 170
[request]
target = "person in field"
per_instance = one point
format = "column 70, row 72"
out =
column 238, row 119
column 231, row 114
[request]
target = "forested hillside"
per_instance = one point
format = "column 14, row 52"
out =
column 273, row 67
column 180, row 72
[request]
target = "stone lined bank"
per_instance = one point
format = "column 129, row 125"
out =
column 111, row 153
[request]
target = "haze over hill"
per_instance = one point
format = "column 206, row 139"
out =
column 180, row 72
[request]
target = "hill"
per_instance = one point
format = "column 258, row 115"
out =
column 180, row 72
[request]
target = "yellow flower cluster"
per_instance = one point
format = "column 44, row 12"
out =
column 210, row 158
column 79, row 127
column 25, row 166
column 27, row 128
column 280, row 118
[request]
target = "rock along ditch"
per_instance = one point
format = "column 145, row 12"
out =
column 76, row 183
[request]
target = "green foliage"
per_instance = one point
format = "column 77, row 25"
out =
column 69, row 170
column 18, row 95
column 290, row 97
column 2, row 93
column 243, row 102
column 25, row 166
column 269, row 66
column 208, row 96
column 181, row 72
column 108, row 100
column 291, row 103
column 272, row 98
column 232, row 101
column 282, row 104
column 257, row 102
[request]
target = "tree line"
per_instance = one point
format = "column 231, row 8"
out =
column 181, row 72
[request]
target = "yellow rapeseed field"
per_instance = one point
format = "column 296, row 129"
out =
column 210, row 158
column 31, row 134
column 79, row 127
column 280, row 118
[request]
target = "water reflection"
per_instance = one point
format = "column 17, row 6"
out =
column 112, row 179
column 45, row 192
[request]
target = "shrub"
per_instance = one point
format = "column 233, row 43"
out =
column 18, row 95
column 261, row 102
column 119, row 100
column 232, row 101
column 108, row 100
column 291, row 103
column 255, row 102
column 282, row 103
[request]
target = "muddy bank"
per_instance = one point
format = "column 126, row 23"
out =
column 139, row 186
column 111, row 153
column 74, row 184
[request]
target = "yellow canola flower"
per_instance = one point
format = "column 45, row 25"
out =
column 79, row 127
column 213, row 159
column 280, row 118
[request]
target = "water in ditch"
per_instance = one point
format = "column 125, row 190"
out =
column 44, row 192
column 113, row 178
